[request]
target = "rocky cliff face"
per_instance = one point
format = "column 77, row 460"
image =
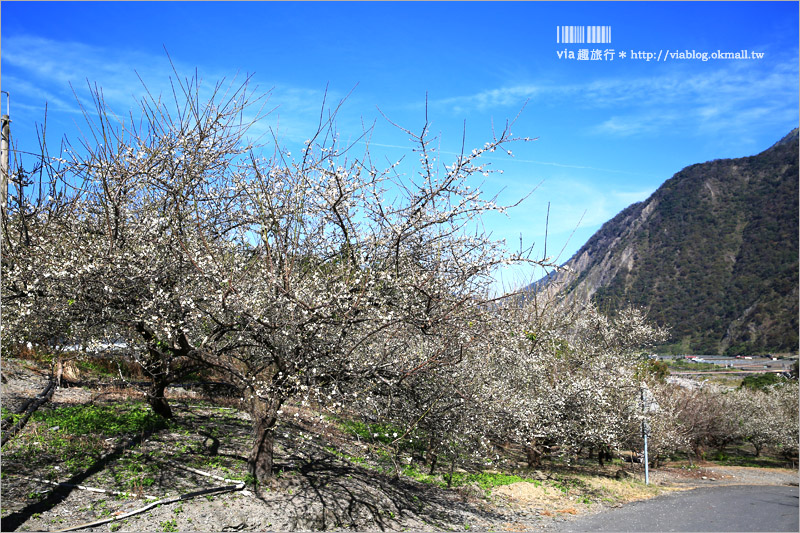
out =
column 712, row 254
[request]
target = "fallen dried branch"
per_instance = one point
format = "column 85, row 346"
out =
column 239, row 486
column 200, row 472
column 84, row 487
column 29, row 408
column 182, row 497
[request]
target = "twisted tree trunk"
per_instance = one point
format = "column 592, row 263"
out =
column 155, row 397
column 533, row 454
column 261, row 459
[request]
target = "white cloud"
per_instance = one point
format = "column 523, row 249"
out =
column 490, row 99
column 38, row 69
column 713, row 98
column 55, row 65
column 724, row 101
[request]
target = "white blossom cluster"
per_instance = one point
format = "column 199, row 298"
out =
column 320, row 279
column 699, row 419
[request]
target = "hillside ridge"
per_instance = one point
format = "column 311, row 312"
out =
column 712, row 254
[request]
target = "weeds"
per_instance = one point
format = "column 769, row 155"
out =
column 381, row 433
column 169, row 525
column 134, row 473
column 108, row 420
column 485, row 480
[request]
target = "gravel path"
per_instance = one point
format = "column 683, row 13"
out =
column 714, row 475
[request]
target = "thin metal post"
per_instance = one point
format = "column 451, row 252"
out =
column 645, row 431
column 4, row 166
column 646, row 461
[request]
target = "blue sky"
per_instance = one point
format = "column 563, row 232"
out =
column 610, row 130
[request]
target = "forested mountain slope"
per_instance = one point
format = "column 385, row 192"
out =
column 713, row 254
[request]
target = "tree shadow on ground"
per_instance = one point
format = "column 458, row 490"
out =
column 325, row 492
column 63, row 490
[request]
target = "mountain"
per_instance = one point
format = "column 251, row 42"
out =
column 712, row 254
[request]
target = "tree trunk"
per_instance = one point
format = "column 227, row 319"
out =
column 155, row 397
column 534, row 454
column 163, row 365
column 59, row 372
column 452, row 467
column 260, row 461
column 604, row 454
column 431, row 456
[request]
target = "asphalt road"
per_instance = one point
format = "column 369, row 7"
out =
column 730, row 508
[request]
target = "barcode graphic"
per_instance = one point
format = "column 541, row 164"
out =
column 583, row 34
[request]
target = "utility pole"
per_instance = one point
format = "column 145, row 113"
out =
column 5, row 144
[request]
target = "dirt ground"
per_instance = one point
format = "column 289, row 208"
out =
column 316, row 489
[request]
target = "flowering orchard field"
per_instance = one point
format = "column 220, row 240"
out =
column 325, row 279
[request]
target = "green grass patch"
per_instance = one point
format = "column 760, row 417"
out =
column 377, row 432
column 731, row 457
column 6, row 413
column 412, row 472
column 169, row 525
column 761, row 381
column 134, row 472
column 109, row 420
column 94, row 367
column 383, row 433
column 351, row 458
column 688, row 366
column 68, row 440
column 486, row 480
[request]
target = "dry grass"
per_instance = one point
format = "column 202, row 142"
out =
column 116, row 393
column 526, row 493
column 624, row 491
column 575, row 495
